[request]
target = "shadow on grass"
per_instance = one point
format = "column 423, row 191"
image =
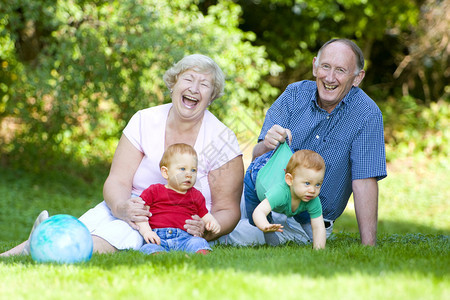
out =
column 347, row 223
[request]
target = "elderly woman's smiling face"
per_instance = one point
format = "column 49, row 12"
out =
column 192, row 93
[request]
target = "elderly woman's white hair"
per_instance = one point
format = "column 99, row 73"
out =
column 201, row 64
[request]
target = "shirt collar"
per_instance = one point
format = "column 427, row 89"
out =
column 349, row 95
column 344, row 101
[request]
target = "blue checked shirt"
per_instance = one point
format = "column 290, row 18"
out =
column 350, row 139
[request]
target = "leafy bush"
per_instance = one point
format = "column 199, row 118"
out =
column 99, row 62
column 412, row 129
column 73, row 72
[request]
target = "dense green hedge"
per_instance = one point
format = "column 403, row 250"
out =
column 73, row 72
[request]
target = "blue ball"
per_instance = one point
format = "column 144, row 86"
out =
column 61, row 239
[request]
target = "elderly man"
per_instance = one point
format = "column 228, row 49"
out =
column 335, row 118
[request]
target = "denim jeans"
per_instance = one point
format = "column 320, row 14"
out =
column 251, row 197
column 175, row 239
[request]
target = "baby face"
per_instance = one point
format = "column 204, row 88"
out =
column 182, row 172
column 306, row 183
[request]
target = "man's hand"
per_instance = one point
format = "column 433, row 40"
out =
column 273, row 138
column 276, row 135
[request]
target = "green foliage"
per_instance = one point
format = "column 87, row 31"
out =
column 412, row 129
column 8, row 66
column 99, row 62
column 293, row 30
column 72, row 72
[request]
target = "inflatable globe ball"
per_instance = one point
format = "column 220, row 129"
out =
column 61, row 239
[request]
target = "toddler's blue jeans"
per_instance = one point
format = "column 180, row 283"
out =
column 175, row 239
column 251, row 197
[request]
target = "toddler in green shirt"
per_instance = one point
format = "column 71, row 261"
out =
column 303, row 178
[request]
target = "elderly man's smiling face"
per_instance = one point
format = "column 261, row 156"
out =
column 335, row 74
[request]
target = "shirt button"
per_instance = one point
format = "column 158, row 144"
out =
column 328, row 117
column 170, row 231
column 317, row 136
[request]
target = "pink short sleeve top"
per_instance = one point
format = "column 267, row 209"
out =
column 216, row 145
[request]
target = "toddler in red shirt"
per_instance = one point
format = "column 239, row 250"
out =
column 171, row 204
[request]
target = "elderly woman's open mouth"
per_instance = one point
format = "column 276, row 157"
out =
column 189, row 102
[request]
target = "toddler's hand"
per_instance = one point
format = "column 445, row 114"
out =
column 153, row 238
column 214, row 227
column 272, row 228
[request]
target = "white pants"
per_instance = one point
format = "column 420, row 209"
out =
column 100, row 222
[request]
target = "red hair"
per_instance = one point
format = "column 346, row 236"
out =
column 305, row 158
column 176, row 149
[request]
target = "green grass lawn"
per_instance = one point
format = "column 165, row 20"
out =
column 411, row 260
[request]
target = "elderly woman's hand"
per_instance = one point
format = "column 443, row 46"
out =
column 133, row 210
column 195, row 226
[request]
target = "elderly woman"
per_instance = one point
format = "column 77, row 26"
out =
column 194, row 83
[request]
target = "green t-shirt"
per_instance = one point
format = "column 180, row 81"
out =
column 279, row 197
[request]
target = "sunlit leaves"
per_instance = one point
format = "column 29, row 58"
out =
column 99, row 62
